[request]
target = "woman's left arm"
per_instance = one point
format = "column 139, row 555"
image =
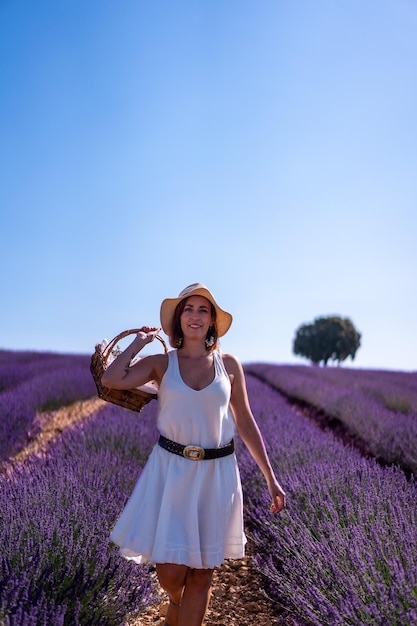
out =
column 249, row 431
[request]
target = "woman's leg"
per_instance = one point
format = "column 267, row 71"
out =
column 187, row 587
column 196, row 597
column 172, row 579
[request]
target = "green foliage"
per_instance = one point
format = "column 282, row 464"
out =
column 327, row 338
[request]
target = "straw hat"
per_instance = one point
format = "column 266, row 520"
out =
column 168, row 306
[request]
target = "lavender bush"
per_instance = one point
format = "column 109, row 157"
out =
column 379, row 407
column 57, row 510
column 38, row 384
column 344, row 551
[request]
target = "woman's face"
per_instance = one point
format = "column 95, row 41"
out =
column 196, row 317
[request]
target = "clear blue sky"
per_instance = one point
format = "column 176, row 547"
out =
column 266, row 148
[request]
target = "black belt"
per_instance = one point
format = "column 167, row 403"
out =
column 196, row 453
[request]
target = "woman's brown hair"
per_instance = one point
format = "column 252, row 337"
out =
column 176, row 339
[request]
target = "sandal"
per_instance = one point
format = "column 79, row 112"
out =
column 176, row 606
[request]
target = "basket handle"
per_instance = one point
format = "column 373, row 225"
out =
column 133, row 331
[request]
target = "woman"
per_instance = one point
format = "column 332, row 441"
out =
column 186, row 511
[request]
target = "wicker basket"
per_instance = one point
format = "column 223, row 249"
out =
column 133, row 399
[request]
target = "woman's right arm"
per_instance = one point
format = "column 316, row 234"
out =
column 121, row 375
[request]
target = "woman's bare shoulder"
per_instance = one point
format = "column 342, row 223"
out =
column 231, row 363
column 160, row 362
column 155, row 364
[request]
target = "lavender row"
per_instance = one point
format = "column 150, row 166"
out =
column 56, row 513
column 379, row 407
column 394, row 390
column 67, row 380
column 343, row 552
column 17, row 367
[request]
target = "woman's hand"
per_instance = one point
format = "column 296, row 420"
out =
column 278, row 497
column 121, row 374
column 147, row 333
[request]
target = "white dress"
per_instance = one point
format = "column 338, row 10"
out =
column 184, row 511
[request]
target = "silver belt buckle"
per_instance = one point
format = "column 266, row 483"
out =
column 194, row 453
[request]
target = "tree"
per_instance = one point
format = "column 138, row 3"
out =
column 327, row 338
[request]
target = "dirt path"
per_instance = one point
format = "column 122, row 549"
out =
column 54, row 422
column 237, row 600
column 237, row 597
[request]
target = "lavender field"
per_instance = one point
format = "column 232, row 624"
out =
column 32, row 382
column 377, row 406
column 343, row 552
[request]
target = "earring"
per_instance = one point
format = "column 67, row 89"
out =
column 210, row 338
column 179, row 342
